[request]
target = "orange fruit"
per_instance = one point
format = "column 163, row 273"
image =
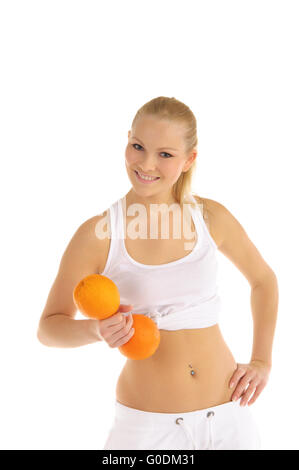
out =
column 145, row 339
column 96, row 296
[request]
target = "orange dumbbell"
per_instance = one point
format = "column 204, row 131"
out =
column 97, row 297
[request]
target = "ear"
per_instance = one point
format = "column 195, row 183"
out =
column 189, row 161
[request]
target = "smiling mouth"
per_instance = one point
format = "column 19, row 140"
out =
column 146, row 178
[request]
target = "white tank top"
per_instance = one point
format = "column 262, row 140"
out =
column 182, row 294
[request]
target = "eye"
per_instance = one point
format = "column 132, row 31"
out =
column 169, row 156
column 136, row 144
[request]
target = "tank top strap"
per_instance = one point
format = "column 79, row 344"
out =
column 114, row 234
column 197, row 221
column 198, row 216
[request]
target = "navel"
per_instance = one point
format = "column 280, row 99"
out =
column 192, row 372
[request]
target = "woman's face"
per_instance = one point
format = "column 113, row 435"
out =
column 156, row 148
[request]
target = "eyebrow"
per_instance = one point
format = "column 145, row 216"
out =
column 161, row 148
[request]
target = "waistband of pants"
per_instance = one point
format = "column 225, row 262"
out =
column 148, row 418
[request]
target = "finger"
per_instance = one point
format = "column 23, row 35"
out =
column 241, row 386
column 122, row 329
column 247, row 394
column 129, row 323
column 257, row 393
column 120, row 339
column 127, row 338
column 129, row 319
column 115, row 319
column 237, row 375
column 125, row 308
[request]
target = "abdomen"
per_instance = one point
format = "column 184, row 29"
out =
column 163, row 382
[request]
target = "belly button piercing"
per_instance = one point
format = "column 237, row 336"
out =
column 192, row 372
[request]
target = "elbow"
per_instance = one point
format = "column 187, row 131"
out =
column 272, row 273
column 272, row 276
column 40, row 334
column 268, row 278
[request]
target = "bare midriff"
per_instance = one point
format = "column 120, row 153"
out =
column 163, row 383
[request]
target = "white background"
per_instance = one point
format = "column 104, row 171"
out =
column 73, row 75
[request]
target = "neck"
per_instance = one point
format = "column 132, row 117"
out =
column 132, row 198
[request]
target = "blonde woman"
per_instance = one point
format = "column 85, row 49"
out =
column 191, row 393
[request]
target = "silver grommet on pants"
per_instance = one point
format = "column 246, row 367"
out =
column 210, row 415
column 188, row 431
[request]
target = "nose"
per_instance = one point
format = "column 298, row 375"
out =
column 148, row 164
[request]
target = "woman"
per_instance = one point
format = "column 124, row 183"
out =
column 191, row 393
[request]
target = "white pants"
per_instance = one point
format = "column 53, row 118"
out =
column 223, row 427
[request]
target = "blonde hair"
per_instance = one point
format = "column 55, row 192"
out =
column 175, row 111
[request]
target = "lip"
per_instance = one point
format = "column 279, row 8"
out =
column 142, row 181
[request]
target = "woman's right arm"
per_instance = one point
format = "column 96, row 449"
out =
column 58, row 326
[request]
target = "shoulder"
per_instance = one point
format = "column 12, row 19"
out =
column 209, row 206
column 92, row 238
column 212, row 212
column 83, row 255
column 222, row 223
column 234, row 243
column 95, row 228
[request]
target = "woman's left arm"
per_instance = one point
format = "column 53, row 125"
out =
column 253, row 377
column 234, row 243
column 264, row 307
